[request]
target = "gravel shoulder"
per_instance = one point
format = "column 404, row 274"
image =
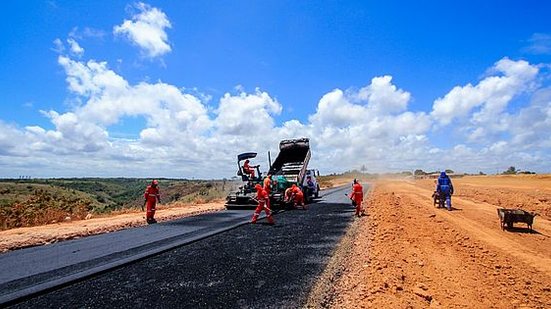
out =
column 40, row 235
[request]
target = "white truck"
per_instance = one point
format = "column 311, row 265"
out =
column 310, row 184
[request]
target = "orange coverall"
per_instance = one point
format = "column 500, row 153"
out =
column 357, row 196
column 248, row 169
column 267, row 184
column 151, row 195
column 262, row 196
column 267, row 187
column 297, row 195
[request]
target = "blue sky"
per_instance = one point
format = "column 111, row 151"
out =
column 275, row 61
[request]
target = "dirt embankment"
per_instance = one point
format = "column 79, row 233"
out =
column 50, row 233
column 408, row 254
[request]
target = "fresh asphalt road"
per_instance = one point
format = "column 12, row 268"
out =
column 250, row 266
column 34, row 269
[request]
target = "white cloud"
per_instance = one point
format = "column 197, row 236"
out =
column 58, row 46
column 481, row 112
column 489, row 97
column 372, row 126
column 383, row 97
column 531, row 126
column 540, row 44
column 245, row 113
column 75, row 47
column 87, row 32
column 147, row 30
column 367, row 126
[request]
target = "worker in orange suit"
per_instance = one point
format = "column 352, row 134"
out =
column 268, row 183
column 248, row 169
column 268, row 187
column 262, row 197
column 357, row 196
column 152, row 196
column 294, row 193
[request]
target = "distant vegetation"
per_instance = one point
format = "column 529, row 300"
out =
column 513, row 171
column 28, row 202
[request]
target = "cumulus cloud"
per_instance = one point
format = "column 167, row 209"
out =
column 490, row 96
column 75, row 47
column 531, row 126
column 372, row 125
column 383, row 97
column 369, row 126
column 244, row 113
column 147, row 30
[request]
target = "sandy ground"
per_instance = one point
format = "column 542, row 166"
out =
column 39, row 235
column 408, row 254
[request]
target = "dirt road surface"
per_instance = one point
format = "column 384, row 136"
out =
column 408, row 254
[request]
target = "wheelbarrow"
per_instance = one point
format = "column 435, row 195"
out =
column 508, row 217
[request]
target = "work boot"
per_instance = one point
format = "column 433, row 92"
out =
column 255, row 216
column 271, row 220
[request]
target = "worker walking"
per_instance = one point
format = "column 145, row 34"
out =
column 262, row 197
column 357, row 196
column 152, row 196
column 444, row 188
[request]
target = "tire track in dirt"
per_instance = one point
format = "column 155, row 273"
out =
column 480, row 220
column 408, row 254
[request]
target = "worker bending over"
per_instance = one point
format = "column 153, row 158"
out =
column 295, row 195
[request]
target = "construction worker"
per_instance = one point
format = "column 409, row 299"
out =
column 152, row 196
column 295, row 195
column 444, row 188
column 310, row 185
column 357, row 195
column 268, row 187
column 248, row 169
column 262, row 197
